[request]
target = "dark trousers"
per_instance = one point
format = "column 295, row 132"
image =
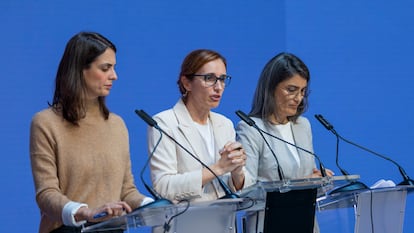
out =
column 66, row 229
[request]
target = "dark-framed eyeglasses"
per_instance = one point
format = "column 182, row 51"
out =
column 211, row 79
column 293, row 91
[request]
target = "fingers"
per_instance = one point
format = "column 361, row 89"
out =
column 317, row 173
column 110, row 210
column 329, row 172
column 231, row 146
column 232, row 156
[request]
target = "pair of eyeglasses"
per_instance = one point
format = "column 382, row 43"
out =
column 211, row 79
column 293, row 91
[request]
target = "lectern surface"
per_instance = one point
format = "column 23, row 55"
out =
column 157, row 216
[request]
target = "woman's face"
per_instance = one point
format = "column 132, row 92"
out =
column 100, row 75
column 203, row 95
column 288, row 96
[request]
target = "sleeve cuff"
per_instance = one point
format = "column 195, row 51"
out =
column 146, row 201
column 68, row 214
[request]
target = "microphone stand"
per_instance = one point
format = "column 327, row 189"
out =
column 159, row 200
column 321, row 166
column 353, row 185
column 324, row 122
column 148, row 119
column 250, row 122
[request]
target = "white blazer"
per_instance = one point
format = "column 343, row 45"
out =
column 175, row 174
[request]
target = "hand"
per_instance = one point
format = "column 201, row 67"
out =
column 232, row 159
column 103, row 213
column 237, row 174
column 317, row 173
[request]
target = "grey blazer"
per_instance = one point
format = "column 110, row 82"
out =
column 260, row 162
column 174, row 173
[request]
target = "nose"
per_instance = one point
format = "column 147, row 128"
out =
column 218, row 85
column 298, row 96
column 113, row 75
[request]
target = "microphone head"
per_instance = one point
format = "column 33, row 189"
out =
column 324, row 122
column 147, row 118
column 245, row 118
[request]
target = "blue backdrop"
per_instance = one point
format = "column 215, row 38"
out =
column 359, row 54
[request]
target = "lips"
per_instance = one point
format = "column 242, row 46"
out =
column 215, row 97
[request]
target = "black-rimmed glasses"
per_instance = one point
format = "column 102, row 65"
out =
column 293, row 91
column 211, row 79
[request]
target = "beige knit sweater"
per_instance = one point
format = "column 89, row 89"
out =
column 88, row 163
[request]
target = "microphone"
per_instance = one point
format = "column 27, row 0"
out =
column 329, row 127
column 159, row 200
column 406, row 178
column 353, row 185
column 324, row 122
column 151, row 122
column 250, row 122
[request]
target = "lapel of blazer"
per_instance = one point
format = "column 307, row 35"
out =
column 190, row 133
column 220, row 133
column 298, row 135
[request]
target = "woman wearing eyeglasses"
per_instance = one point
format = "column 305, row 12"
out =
column 280, row 99
column 175, row 174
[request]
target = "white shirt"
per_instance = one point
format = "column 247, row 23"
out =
column 208, row 137
column 286, row 133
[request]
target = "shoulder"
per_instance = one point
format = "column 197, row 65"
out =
column 219, row 118
column 46, row 116
column 115, row 119
column 166, row 116
column 46, row 122
column 303, row 121
column 242, row 128
column 258, row 121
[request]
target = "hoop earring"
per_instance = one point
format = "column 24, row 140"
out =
column 185, row 94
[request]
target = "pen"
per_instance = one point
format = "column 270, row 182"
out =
column 100, row 215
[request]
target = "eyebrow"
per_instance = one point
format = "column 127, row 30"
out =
column 291, row 85
column 106, row 64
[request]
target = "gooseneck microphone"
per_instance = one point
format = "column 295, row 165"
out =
column 159, row 200
column 329, row 127
column 250, row 122
column 151, row 122
column 353, row 185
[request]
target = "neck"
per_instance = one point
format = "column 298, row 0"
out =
column 92, row 106
column 198, row 114
column 274, row 119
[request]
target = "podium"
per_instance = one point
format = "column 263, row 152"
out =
column 212, row 216
column 286, row 206
column 379, row 210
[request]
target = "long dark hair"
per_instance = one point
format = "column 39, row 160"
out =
column 281, row 67
column 81, row 50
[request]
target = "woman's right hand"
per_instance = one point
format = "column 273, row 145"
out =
column 102, row 213
column 232, row 158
